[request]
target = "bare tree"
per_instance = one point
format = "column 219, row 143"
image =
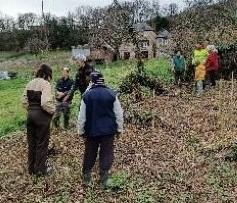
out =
column 6, row 23
column 198, row 3
column 113, row 27
column 116, row 22
column 27, row 20
column 171, row 10
column 215, row 23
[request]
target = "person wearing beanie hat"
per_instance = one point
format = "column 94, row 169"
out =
column 97, row 78
column 82, row 79
column 100, row 119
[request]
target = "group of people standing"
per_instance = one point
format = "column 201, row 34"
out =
column 100, row 118
column 205, row 60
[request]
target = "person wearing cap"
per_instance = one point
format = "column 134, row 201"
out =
column 212, row 64
column 39, row 102
column 82, row 78
column 63, row 87
column 100, row 119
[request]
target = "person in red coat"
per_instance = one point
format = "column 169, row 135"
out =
column 212, row 64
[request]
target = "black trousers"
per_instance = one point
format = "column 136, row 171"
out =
column 106, row 153
column 38, row 132
column 212, row 76
column 179, row 77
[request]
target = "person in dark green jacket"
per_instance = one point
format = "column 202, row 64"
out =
column 179, row 67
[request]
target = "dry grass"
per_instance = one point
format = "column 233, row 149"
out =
column 181, row 160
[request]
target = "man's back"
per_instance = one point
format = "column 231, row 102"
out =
column 99, row 120
column 100, row 116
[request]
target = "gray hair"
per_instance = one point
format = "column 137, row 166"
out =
column 212, row 48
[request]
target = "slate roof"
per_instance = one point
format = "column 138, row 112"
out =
column 142, row 27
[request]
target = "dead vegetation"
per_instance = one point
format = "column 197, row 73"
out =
column 181, row 159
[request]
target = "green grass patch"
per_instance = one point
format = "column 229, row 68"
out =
column 223, row 179
column 11, row 110
column 160, row 68
column 118, row 181
column 4, row 55
column 222, row 176
column 145, row 196
column 13, row 116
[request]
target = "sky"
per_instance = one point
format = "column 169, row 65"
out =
column 57, row 7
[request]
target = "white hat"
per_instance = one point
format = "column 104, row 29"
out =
column 80, row 57
column 211, row 48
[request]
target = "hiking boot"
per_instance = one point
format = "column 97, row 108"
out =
column 49, row 168
column 56, row 122
column 104, row 176
column 66, row 124
column 86, row 178
column 52, row 151
column 46, row 172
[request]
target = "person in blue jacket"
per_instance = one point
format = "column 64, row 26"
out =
column 100, row 119
column 63, row 87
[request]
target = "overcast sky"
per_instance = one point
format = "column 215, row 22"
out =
column 57, row 7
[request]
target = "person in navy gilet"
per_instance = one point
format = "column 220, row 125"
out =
column 100, row 119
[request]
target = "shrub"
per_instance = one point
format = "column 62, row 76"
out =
column 135, row 79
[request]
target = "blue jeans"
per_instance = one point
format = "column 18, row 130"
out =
column 199, row 85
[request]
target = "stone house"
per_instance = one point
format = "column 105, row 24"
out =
column 150, row 43
column 163, row 42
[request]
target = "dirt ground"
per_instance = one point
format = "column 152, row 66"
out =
column 181, row 159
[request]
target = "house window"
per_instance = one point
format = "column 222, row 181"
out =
column 162, row 41
column 144, row 44
column 126, row 55
column 145, row 54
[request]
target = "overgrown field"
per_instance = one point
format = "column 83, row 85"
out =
column 187, row 155
column 176, row 147
column 132, row 182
